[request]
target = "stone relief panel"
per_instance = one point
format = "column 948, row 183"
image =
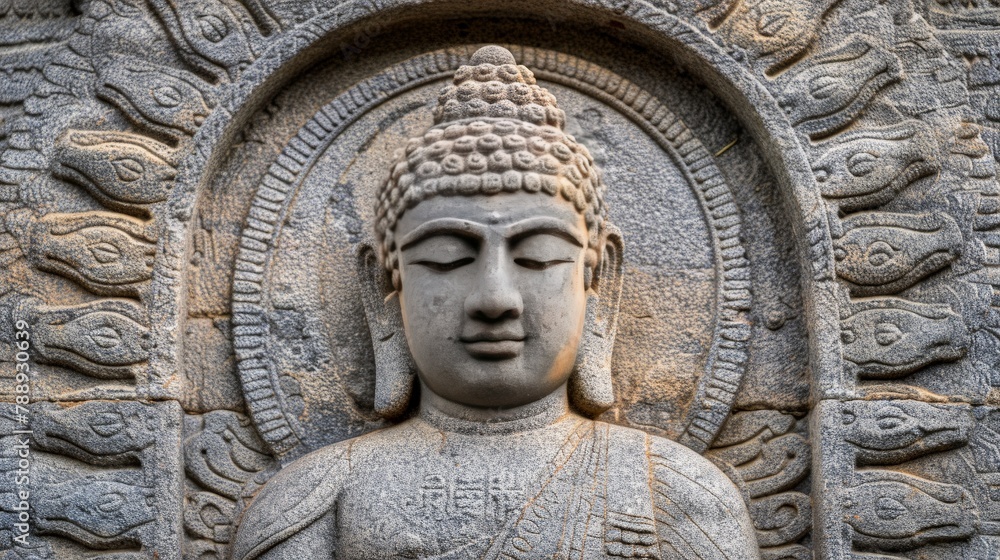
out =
column 902, row 337
column 92, row 478
column 806, row 190
column 225, row 462
column 767, row 453
column 269, row 248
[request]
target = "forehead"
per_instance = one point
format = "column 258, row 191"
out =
column 491, row 210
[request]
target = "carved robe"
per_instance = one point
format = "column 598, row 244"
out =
column 607, row 491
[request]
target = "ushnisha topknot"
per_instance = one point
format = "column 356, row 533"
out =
column 495, row 130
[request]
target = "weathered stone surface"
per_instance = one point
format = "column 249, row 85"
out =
column 807, row 202
column 100, row 476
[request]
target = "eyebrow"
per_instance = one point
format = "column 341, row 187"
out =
column 545, row 225
column 442, row 226
column 473, row 230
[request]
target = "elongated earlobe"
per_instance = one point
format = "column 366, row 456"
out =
column 591, row 383
column 394, row 368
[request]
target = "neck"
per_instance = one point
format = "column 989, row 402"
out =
column 456, row 417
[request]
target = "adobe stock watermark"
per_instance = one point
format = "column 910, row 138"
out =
column 20, row 436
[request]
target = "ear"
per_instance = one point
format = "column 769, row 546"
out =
column 590, row 385
column 394, row 367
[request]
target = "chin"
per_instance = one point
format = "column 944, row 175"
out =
column 492, row 387
column 500, row 402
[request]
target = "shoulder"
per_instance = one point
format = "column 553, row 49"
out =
column 293, row 499
column 680, row 465
column 676, row 466
column 699, row 510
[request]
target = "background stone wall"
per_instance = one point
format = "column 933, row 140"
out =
column 829, row 334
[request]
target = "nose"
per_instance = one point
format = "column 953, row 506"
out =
column 496, row 296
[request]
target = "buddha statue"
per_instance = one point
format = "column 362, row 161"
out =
column 491, row 292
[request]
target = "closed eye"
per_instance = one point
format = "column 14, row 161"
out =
column 445, row 266
column 532, row 264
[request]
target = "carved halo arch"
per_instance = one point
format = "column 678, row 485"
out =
column 746, row 97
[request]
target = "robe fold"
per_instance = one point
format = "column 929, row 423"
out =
column 609, row 492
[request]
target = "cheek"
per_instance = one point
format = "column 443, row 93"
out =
column 430, row 298
column 555, row 298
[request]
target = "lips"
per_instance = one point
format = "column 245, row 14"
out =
column 494, row 346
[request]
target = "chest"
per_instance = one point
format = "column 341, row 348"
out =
column 430, row 505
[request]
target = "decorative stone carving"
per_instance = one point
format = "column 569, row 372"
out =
column 101, row 476
column 890, row 337
column 106, row 253
column 881, row 253
column 867, row 168
column 772, row 33
column 124, row 171
column 104, row 339
column 762, row 451
column 807, row 194
column 214, row 36
column 498, row 278
column 896, row 512
column 156, row 97
column 835, row 86
column 222, row 456
column 892, row 432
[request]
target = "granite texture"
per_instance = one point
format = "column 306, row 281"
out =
column 807, row 203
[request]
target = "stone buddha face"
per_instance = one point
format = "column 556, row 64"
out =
column 493, row 295
column 497, row 275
